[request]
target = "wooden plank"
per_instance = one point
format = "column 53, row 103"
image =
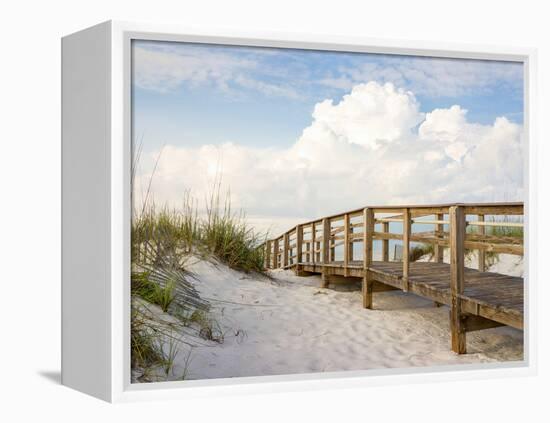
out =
column 506, row 210
column 368, row 281
column 474, row 323
column 438, row 249
column 406, row 247
column 275, row 253
column 388, row 220
column 503, row 224
column 326, row 241
column 267, row 257
column 285, row 249
column 299, row 240
column 457, row 233
column 346, row 244
column 481, row 252
column 385, row 242
column 332, row 247
column 383, row 235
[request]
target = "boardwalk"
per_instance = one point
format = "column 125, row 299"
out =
column 477, row 299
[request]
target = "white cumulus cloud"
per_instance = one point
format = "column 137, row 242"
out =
column 372, row 147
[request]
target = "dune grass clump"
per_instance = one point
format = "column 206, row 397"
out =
column 169, row 236
column 420, row 250
column 164, row 235
column 153, row 292
column 148, row 349
column 229, row 238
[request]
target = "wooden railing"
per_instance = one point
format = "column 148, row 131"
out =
column 315, row 242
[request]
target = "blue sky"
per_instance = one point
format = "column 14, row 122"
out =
column 354, row 129
column 264, row 97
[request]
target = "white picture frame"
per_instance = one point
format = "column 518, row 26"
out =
column 96, row 212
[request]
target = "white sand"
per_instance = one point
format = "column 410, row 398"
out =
column 290, row 325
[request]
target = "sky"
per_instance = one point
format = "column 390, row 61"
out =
column 298, row 134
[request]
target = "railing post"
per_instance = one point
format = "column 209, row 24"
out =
column 457, row 234
column 285, row 250
column 326, row 252
column 326, row 241
column 332, row 256
column 386, row 242
column 406, row 247
column 438, row 249
column 299, row 240
column 481, row 252
column 276, row 253
column 346, row 245
column 368, row 229
column 313, row 243
column 267, row 258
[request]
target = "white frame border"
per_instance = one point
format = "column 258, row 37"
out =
column 121, row 389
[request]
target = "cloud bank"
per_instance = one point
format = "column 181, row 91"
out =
column 374, row 146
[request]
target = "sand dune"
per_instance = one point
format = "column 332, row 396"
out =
column 289, row 324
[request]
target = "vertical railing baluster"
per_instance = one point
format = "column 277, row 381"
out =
column 285, row 250
column 267, row 254
column 346, row 245
column 438, row 249
column 406, row 247
column 299, row 243
column 326, row 252
column 313, row 243
column 481, row 252
column 368, row 283
column 457, row 234
column 386, row 242
column 275, row 253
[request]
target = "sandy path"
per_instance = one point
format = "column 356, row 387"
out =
column 290, row 325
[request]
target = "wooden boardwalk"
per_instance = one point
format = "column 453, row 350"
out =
column 477, row 299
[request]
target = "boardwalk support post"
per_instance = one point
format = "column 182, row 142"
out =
column 406, row 247
column 457, row 234
column 368, row 283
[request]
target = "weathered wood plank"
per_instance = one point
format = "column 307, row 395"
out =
column 275, row 253
column 438, row 249
column 267, row 257
column 326, row 240
column 481, row 252
column 285, row 250
column 346, row 244
column 406, row 247
column 299, row 241
column 368, row 281
column 457, row 233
